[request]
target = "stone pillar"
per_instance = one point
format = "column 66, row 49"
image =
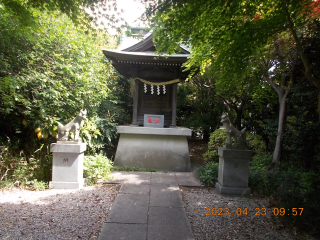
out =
column 174, row 105
column 233, row 171
column 67, row 165
column 135, row 103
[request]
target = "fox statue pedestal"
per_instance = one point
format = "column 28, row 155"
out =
column 233, row 171
column 234, row 160
column 67, row 164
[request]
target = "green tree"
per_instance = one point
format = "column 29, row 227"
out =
column 115, row 110
column 89, row 14
column 228, row 36
column 301, row 141
column 198, row 105
column 62, row 70
column 237, row 98
column 45, row 77
column 280, row 79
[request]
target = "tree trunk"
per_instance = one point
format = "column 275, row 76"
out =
column 319, row 104
column 282, row 114
column 237, row 122
column 206, row 135
column 282, row 91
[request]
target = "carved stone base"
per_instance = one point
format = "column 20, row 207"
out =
column 230, row 190
column 233, row 171
column 67, row 165
column 66, row 185
column 69, row 142
column 158, row 148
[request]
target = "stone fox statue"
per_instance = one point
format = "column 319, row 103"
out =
column 74, row 125
column 239, row 137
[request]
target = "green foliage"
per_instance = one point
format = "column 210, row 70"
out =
column 255, row 143
column 292, row 189
column 208, row 173
column 46, row 76
column 96, row 168
column 59, row 72
column 90, row 134
column 16, row 170
column 134, row 169
column 301, row 142
column 6, row 185
column 261, row 161
column 103, row 13
column 198, row 106
column 219, row 137
column 226, row 34
column 113, row 111
column 36, row 185
column 21, row 166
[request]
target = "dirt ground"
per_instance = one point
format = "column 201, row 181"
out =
column 196, row 150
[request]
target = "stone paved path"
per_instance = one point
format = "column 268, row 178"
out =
column 149, row 206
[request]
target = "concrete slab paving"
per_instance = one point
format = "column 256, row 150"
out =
column 188, row 179
column 165, row 186
column 149, row 206
column 166, row 178
column 117, row 177
column 117, row 231
column 129, row 208
column 166, row 198
column 133, row 177
column 168, row 223
column 138, row 177
column 134, row 188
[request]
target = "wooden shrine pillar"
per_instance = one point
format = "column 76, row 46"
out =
column 135, row 103
column 174, row 105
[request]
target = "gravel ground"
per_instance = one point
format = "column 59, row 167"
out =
column 55, row 213
column 79, row 214
column 200, row 201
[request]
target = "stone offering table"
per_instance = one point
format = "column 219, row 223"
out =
column 233, row 171
column 67, row 164
column 158, row 148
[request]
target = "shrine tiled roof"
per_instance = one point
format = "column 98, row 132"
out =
column 141, row 43
column 136, row 54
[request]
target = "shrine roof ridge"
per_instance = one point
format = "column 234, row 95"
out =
column 148, row 54
column 140, row 40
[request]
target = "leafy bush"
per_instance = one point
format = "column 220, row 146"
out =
column 6, row 184
column 292, row 189
column 261, row 161
column 208, row 173
column 255, row 143
column 219, row 137
column 96, row 167
column 46, row 76
column 20, row 167
column 89, row 134
column 36, row 185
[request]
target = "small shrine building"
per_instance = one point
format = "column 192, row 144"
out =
column 152, row 140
